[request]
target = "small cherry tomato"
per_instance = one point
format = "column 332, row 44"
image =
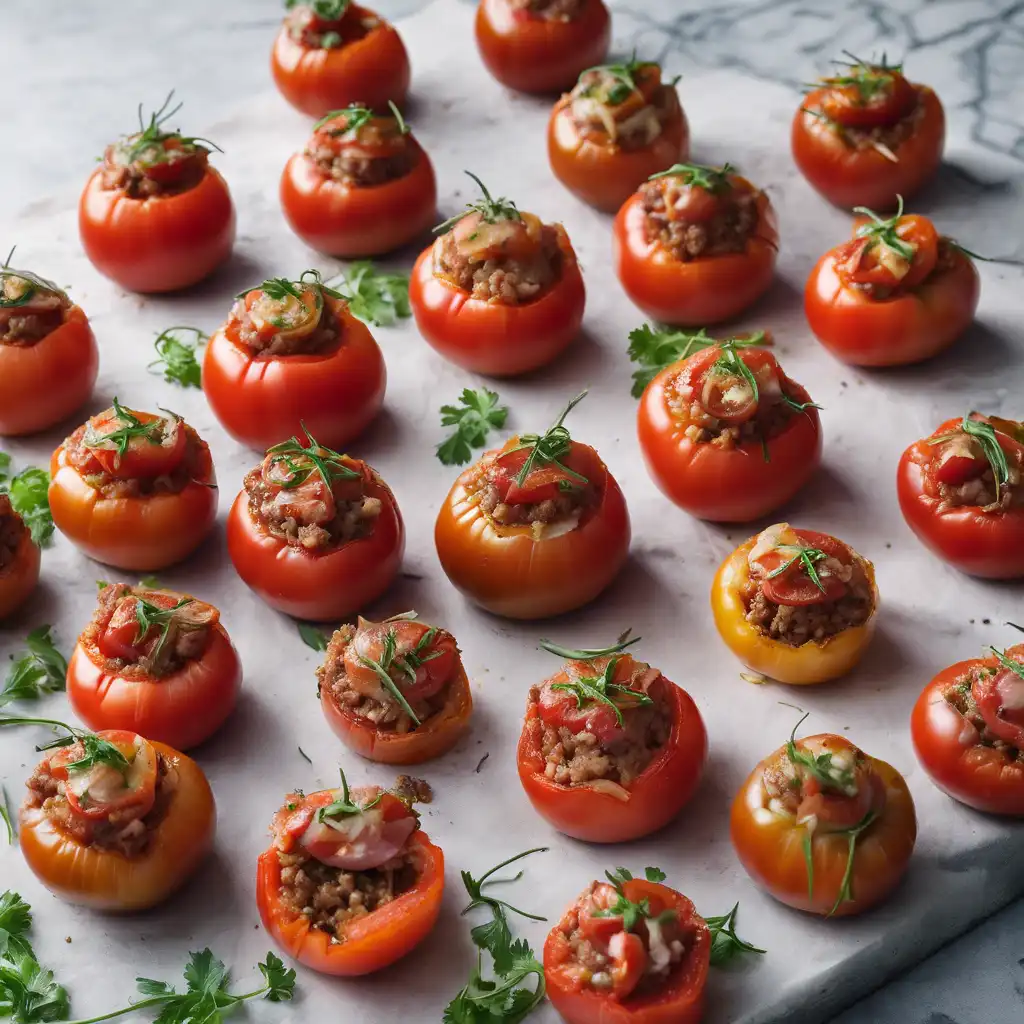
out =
column 695, row 245
column 19, row 560
column 539, row 51
column 962, row 493
column 292, row 357
column 327, row 56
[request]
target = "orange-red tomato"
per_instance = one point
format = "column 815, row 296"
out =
column 745, row 480
column 531, row 53
column 981, row 541
column 369, row 65
column 19, row 576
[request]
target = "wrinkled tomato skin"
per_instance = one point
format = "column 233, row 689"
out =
column 373, row 941
column 946, row 745
column 348, row 221
column 849, row 177
column 492, row 338
column 162, row 243
column 19, row 577
column 263, row 400
column 532, row 54
column 810, row 663
column 44, row 383
column 145, row 534
column 369, row 71
column 897, row 331
column 656, row 795
column 771, row 852
column 703, row 291
column 106, row 880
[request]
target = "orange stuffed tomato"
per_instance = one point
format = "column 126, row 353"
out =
column 155, row 216
column 968, row 731
column 867, row 135
column 541, row 45
column 896, row 293
column 628, row 951
column 316, row 534
column 536, row 528
column 618, row 126
column 367, row 844
column 330, row 53
column 726, row 434
column 361, row 187
column 824, row 828
column 523, row 314
column 134, row 490
column 646, row 733
column 292, row 357
column 962, row 493
column 154, row 662
column 48, row 354
column 19, row 560
column 797, row 606
column 695, row 245
column 395, row 691
column 116, row 822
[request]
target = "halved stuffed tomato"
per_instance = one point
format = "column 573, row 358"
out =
column 19, row 560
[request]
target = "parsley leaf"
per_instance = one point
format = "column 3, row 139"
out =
column 29, row 498
column 725, row 943
column 15, row 921
column 312, row 637
column 42, row 670
column 476, row 413
column 177, row 355
column 28, row 993
column 377, row 297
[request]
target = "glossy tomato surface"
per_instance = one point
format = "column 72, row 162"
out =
column 19, row 577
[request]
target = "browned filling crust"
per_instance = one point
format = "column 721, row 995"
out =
column 553, row 10
column 364, row 171
column 326, row 334
column 961, row 697
column 12, row 530
column 797, row 625
column 132, row 177
column 727, row 232
column 771, row 419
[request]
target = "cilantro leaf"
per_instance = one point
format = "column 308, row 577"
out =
column 176, row 350
column 476, row 413
column 29, row 498
column 15, row 921
column 655, row 875
column 42, row 670
column 28, row 993
column 376, row 297
column 312, row 637
column 280, row 980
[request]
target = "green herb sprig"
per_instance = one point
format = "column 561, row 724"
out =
column 326, row 10
column 344, row 807
column 29, row 494
column 382, row 668
column 711, row 179
column 985, row 435
column 550, row 447
column 20, row 287
column 473, row 417
column 491, row 210
column 807, row 557
column 827, row 775
column 132, row 427
column 726, row 945
column 883, row 231
column 376, row 297
column 151, row 134
column 302, row 461
column 43, row 669
column 312, row 637
column 623, row 76
column 176, row 349
column 632, row 913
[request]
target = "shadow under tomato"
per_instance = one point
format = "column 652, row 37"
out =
column 958, row 187
column 582, row 362
column 388, row 432
column 828, row 493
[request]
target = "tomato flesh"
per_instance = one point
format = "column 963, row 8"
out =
column 157, row 452
column 889, row 104
column 1000, row 699
column 793, row 585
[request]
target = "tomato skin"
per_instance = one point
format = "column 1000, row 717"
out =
column 43, row 384
column 19, row 577
column 263, row 400
column 347, row 221
column 532, row 54
column 105, row 880
column 656, row 796
column 492, row 338
column 771, row 852
column 849, row 177
column 160, row 244
column 141, row 533
column 369, row 71
column 705, row 290
column 372, row 942
column 810, row 663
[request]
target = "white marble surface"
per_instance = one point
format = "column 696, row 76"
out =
column 740, row 65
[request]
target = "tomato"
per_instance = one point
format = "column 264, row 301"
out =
column 770, row 841
column 370, row 66
column 741, row 482
column 981, row 541
column 106, row 879
column 949, row 745
column 18, row 578
column 815, row 661
column 700, row 291
column 531, row 53
column 262, row 399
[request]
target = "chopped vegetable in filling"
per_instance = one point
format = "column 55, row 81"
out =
column 12, row 531
column 359, row 148
column 30, row 307
column 978, row 464
column 991, row 700
column 283, row 318
column 328, row 24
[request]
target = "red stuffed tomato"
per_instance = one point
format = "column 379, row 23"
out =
column 648, row 739
column 133, row 489
column 155, row 662
column 523, row 314
column 962, row 493
column 628, row 951
column 361, row 187
column 542, row 45
column 695, row 245
column 48, row 354
column 115, row 821
column 19, row 560
column 155, row 216
column 896, row 293
column 536, row 528
column 867, row 136
column 330, row 53
column 617, row 127
column 292, row 357
column 968, row 731
column 726, row 434
column 824, row 828
column 367, row 844
column 316, row 534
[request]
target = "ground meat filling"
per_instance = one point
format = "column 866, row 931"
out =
column 771, row 419
column 886, row 138
column 303, row 25
column 634, row 128
column 12, row 530
column 157, row 169
column 28, row 311
column 728, row 231
column 552, row 10
column 355, row 168
column 324, row 336
column 981, row 492
column 961, row 697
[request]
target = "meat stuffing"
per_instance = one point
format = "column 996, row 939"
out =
column 703, row 428
column 284, row 342
column 727, row 232
column 797, row 625
column 40, row 310
column 961, row 697
column 981, row 492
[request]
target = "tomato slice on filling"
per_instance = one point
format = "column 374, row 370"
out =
column 786, row 571
column 292, row 317
column 136, row 445
column 599, row 930
column 728, row 396
column 890, row 103
column 629, row 959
